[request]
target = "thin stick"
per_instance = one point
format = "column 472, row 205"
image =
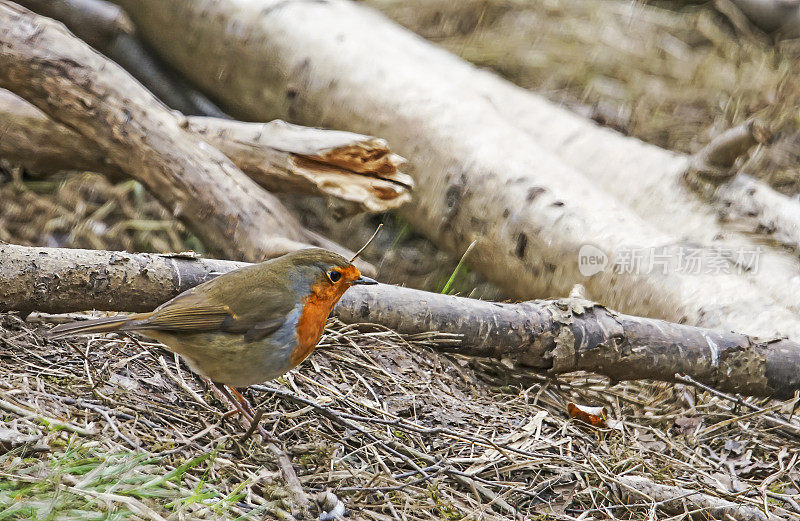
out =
column 367, row 243
column 779, row 424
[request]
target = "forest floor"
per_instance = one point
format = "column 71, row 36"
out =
column 111, row 427
column 117, row 427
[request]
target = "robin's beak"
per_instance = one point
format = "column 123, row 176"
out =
column 364, row 280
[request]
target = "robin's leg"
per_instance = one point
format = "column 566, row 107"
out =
column 272, row 442
column 253, row 414
column 238, row 406
column 243, row 401
column 243, row 407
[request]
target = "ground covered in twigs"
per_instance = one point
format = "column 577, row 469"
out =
column 112, row 427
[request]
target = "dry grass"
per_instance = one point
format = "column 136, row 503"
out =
column 85, row 210
column 394, row 428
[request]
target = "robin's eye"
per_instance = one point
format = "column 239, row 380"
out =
column 334, row 276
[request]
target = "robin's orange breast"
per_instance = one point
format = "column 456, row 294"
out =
column 317, row 307
column 314, row 314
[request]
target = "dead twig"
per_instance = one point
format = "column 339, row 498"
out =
column 785, row 426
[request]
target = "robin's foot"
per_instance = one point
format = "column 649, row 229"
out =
column 244, row 402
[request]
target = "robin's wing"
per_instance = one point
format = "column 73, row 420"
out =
column 187, row 312
column 263, row 329
column 259, row 313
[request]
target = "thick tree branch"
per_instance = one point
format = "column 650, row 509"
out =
column 44, row 64
column 108, row 29
column 558, row 336
column 359, row 173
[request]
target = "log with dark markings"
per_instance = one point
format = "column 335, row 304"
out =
column 557, row 336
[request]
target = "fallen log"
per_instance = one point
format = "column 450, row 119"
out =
column 662, row 187
column 71, row 83
column 480, row 176
column 557, row 336
column 358, row 173
column 108, row 29
column 648, row 178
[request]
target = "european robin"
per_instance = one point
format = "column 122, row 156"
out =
column 249, row 325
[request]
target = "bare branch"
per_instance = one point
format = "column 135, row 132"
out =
column 558, row 336
column 679, row 500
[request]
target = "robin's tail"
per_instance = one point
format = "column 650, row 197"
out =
column 98, row 325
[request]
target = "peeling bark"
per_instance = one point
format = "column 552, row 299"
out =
column 558, row 336
column 488, row 167
column 61, row 75
column 359, row 173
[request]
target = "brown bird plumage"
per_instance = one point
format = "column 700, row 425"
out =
column 246, row 326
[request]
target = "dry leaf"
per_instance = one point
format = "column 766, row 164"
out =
column 687, row 424
column 594, row 416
